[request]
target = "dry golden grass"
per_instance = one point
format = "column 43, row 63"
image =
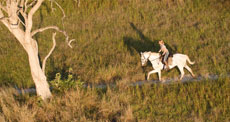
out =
column 198, row 101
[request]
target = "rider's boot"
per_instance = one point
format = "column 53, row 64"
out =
column 166, row 67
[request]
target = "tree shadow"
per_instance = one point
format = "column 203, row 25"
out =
column 64, row 71
column 143, row 44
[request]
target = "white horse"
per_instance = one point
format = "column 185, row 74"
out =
column 178, row 60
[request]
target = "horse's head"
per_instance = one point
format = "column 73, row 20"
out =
column 144, row 58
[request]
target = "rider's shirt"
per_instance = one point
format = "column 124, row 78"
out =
column 164, row 49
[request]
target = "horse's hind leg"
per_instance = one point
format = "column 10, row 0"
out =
column 190, row 70
column 182, row 72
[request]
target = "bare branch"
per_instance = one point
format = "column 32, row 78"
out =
column 22, row 21
column 29, row 23
column 51, row 51
column 54, row 28
column 69, row 44
column 11, row 9
column 23, row 12
column 28, row 5
column 63, row 12
column 3, row 8
column 3, row 19
column 25, row 4
column 46, row 28
column 31, row 4
column 36, row 7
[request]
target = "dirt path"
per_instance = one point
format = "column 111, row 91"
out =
column 187, row 78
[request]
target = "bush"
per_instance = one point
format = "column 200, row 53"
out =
column 60, row 85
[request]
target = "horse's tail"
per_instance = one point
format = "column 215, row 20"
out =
column 189, row 61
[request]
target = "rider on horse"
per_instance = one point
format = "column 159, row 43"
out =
column 165, row 53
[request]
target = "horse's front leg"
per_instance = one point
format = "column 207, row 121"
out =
column 159, row 75
column 151, row 72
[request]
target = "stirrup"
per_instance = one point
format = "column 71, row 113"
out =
column 166, row 68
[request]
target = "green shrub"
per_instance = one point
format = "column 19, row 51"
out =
column 60, row 85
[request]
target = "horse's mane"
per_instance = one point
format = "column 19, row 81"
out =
column 154, row 53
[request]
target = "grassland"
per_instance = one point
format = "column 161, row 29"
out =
column 198, row 101
column 109, row 36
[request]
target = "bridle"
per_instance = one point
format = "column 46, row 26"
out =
column 146, row 58
column 150, row 60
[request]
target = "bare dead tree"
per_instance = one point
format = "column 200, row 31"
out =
column 21, row 28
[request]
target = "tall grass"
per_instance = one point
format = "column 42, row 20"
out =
column 194, row 101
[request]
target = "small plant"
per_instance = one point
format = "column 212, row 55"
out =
column 60, row 85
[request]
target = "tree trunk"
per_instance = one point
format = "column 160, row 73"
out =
column 30, row 46
column 39, row 78
column 24, row 34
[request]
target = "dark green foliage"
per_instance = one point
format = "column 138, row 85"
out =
column 59, row 85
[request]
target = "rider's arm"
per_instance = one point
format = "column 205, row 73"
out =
column 164, row 50
column 159, row 50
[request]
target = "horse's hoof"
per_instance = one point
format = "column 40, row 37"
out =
column 147, row 78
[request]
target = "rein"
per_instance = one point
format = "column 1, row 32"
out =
column 154, row 59
column 151, row 60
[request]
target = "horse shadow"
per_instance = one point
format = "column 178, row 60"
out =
column 143, row 44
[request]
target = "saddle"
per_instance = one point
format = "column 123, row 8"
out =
column 169, row 59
